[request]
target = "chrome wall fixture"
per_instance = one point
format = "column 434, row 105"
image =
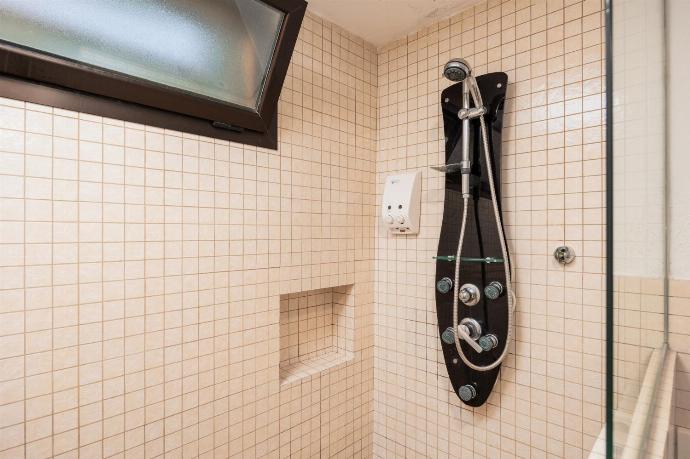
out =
column 564, row 254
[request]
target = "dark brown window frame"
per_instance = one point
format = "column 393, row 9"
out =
column 36, row 77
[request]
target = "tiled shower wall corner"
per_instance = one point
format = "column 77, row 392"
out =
column 549, row 401
column 679, row 340
column 141, row 272
column 678, row 71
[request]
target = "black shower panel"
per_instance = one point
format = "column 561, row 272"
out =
column 482, row 258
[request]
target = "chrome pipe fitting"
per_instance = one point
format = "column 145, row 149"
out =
column 564, row 254
column 471, row 113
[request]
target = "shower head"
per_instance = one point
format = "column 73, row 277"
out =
column 456, row 69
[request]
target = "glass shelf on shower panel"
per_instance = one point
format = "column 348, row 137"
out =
column 448, row 168
column 487, row 260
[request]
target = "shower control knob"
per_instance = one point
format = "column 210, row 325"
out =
column 493, row 290
column 469, row 294
column 400, row 219
column 467, row 392
column 488, row 342
column 388, row 219
column 444, row 285
column 448, row 335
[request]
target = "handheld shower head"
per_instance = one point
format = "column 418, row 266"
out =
column 456, row 70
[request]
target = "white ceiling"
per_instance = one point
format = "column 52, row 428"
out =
column 382, row 21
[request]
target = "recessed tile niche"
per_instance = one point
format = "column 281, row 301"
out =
column 316, row 331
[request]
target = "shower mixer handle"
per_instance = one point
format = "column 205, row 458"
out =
column 470, row 331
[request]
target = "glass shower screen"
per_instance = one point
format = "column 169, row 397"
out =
column 637, row 275
column 221, row 50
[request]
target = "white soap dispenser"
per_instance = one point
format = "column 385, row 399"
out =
column 401, row 203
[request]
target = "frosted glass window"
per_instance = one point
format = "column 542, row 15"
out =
column 220, row 49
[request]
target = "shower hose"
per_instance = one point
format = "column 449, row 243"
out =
column 476, row 96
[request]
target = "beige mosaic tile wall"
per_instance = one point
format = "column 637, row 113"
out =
column 549, row 401
column 141, row 272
